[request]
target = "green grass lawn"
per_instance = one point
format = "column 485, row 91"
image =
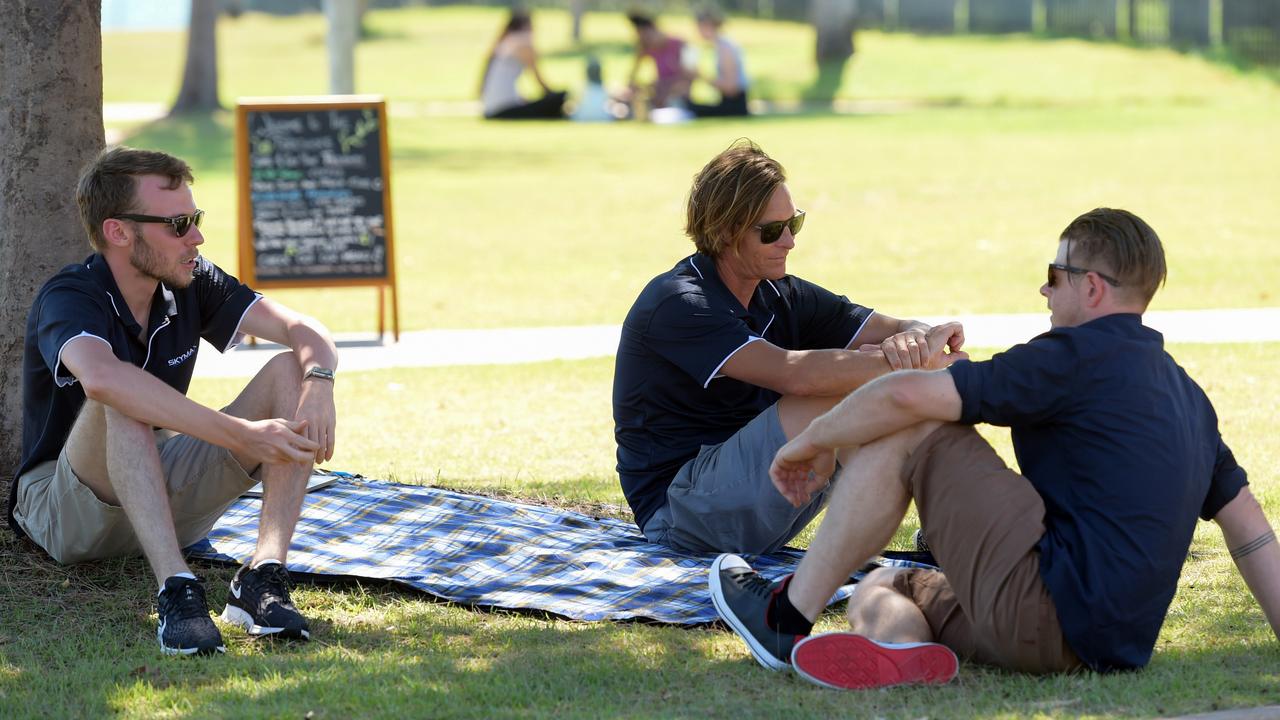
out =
column 80, row 642
column 1001, row 141
column 952, row 204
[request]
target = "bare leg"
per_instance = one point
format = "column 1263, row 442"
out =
column 866, row 507
column 273, row 393
column 115, row 456
column 879, row 611
column 796, row 412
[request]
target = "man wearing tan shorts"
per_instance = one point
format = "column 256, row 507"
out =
column 1072, row 563
column 116, row 460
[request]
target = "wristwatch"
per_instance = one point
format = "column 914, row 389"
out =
column 322, row 373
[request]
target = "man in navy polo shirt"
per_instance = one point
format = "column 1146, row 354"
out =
column 726, row 356
column 1071, row 564
column 116, row 460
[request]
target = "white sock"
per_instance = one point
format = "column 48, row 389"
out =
column 187, row 575
column 260, row 563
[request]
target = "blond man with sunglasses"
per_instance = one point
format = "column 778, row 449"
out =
column 116, row 459
column 1070, row 563
column 725, row 357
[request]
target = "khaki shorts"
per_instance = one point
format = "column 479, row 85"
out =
column 63, row 516
column 983, row 522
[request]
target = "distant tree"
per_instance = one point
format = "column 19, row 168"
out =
column 51, row 92
column 577, row 8
column 344, row 26
column 834, row 22
column 199, row 92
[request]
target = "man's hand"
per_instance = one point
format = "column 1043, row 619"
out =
column 277, row 441
column 315, row 408
column 801, row 468
column 944, row 342
column 927, row 349
column 907, row 349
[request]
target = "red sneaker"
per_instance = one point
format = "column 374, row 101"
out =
column 847, row 661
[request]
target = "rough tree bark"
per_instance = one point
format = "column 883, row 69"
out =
column 834, row 22
column 50, row 126
column 199, row 92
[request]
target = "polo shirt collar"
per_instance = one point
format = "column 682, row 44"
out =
column 1125, row 325
column 164, row 298
column 762, row 298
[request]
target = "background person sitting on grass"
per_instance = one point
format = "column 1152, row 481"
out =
column 1073, row 563
column 511, row 55
column 725, row 357
column 115, row 459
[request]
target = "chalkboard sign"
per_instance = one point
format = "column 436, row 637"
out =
column 315, row 197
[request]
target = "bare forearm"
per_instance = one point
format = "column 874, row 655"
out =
column 1252, row 542
column 312, row 344
column 828, row 373
column 148, row 400
column 886, row 406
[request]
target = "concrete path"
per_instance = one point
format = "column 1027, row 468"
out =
column 502, row 346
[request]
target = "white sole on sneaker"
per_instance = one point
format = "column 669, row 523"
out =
column 847, row 661
column 762, row 656
column 184, row 652
column 236, row 616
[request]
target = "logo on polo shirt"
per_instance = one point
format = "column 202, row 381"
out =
column 173, row 362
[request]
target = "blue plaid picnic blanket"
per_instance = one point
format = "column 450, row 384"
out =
column 489, row 552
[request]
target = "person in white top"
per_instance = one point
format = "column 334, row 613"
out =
column 731, row 74
column 512, row 54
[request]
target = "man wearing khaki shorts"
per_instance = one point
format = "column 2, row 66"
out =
column 1071, row 564
column 116, row 460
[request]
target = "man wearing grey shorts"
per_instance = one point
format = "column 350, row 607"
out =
column 725, row 357
column 116, row 460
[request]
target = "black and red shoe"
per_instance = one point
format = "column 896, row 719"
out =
column 742, row 597
column 848, row 661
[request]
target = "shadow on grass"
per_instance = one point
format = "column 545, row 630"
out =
column 204, row 140
column 80, row 642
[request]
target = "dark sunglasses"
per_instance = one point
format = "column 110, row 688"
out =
column 181, row 224
column 770, row 232
column 1073, row 270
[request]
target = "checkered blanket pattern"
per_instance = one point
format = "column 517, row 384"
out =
column 484, row 551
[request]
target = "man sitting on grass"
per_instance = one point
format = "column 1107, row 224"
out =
column 1070, row 565
column 115, row 458
column 726, row 356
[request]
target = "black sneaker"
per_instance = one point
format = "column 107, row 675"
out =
column 185, row 625
column 742, row 596
column 259, row 602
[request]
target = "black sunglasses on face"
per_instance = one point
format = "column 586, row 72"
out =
column 770, row 232
column 181, row 224
column 1073, row 270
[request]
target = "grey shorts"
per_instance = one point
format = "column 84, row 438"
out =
column 723, row 499
column 63, row 516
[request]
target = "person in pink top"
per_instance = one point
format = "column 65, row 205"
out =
column 667, row 52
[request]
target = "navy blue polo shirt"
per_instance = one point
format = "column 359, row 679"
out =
column 1124, row 448
column 83, row 300
column 669, row 398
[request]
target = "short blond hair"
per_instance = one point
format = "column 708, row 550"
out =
column 729, row 195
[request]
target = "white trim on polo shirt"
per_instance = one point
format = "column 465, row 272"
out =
column 57, row 379
column 237, row 337
column 695, row 268
column 716, row 373
column 858, row 332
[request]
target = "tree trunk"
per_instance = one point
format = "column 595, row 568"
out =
column 577, row 8
column 50, row 126
column 834, row 22
column 344, row 19
column 199, row 91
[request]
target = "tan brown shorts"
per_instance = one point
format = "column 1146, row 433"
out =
column 63, row 516
column 983, row 522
